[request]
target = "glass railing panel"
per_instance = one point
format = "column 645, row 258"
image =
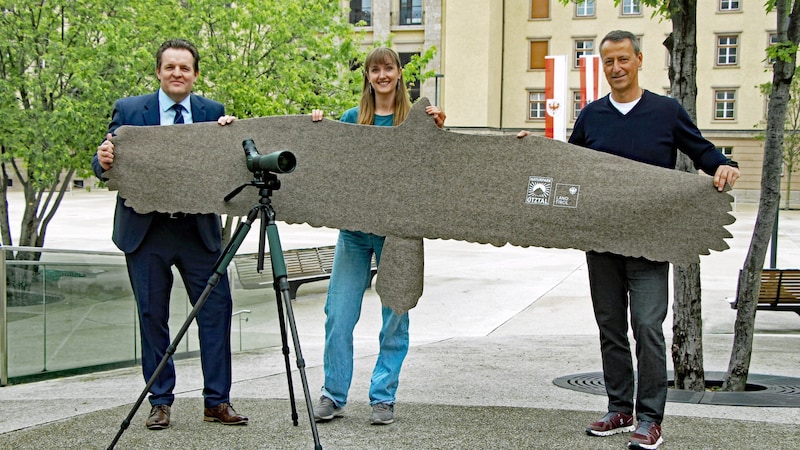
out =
column 75, row 309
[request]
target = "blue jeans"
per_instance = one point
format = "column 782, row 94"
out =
column 349, row 279
column 619, row 283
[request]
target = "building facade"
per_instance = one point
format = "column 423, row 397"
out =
column 490, row 61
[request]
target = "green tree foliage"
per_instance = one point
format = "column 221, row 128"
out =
column 60, row 67
column 63, row 63
column 791, row 133
column 268, row 58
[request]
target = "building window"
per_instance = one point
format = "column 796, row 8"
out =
column 582, row 47
column 536, row 105
column 539, row 50
column 410, row 12
column 727, row 151
column 413, row 88
column 771, row 40
column 540, row 9
column 729, row 5
column 576, row 104
column 631, row 8
column 361, row 12
column 724, row 105
column 584, row 8
column 727, row 48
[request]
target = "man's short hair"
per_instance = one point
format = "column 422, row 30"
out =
column 620, row 35
column 182, row 44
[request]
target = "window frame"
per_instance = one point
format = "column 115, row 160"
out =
column 729, row 105
column 536, row 5
column 406, row 10
column 531, row 42
column 360, row 13
column 730, row 7
column 727, row 47
column 772, row 39
column 630, row 5
column 541, row 102
column 415, row 88
column 585, row 4
column 576, row 104
column 726, row 150
column 577, row 52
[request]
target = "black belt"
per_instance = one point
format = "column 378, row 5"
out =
column 175, row 215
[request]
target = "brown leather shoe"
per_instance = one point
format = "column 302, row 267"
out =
column 159, row 417
column 224, row 413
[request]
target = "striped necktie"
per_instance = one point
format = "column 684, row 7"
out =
column 178, row 113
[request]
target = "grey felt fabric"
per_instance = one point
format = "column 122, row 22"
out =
column 417, row 181
column 402, row 258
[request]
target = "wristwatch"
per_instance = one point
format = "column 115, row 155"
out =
column 732, row 163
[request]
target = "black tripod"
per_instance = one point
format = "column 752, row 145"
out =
column 266, row 182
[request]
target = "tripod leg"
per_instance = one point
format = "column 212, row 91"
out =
column 281, row 283
column 265, row 214
column 220, row 269
column 285, row 350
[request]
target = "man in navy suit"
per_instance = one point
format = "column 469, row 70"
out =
column 154, row 242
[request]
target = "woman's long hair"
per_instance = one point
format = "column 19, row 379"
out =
column 402, row 103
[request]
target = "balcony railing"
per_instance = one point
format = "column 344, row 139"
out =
column 361, row 16
column 69, row 311
column 410, row 16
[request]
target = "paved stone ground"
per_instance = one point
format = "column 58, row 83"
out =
column 492, row 331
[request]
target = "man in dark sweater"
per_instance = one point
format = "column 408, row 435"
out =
column 639, row 125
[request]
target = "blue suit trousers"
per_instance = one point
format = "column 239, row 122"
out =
column 177, row 242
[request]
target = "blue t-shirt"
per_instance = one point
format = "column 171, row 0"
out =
column 351, row 116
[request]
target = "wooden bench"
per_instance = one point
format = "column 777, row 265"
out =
column 780, row 290
column 303, row 265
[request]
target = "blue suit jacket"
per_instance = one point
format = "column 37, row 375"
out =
column 131, row 227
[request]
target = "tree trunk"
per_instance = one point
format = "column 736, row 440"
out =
column 41, row 205
column 5, row 221
column 749, row 278
column 687, row 328
column 40, row 208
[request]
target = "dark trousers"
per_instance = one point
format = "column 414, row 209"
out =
column 177, row 242
column 617, row 283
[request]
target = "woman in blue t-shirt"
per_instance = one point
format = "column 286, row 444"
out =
column 384, row 102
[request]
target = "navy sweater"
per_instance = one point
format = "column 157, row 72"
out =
column 651, row 133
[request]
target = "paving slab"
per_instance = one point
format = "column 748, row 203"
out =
column 495, row 327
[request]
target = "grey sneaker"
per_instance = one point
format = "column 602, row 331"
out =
column 382, row 414
column 326, row 410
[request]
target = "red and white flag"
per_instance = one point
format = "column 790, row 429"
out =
column 590, row 78
column 555, row 94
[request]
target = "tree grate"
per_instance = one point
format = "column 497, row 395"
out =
column 761, row 390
